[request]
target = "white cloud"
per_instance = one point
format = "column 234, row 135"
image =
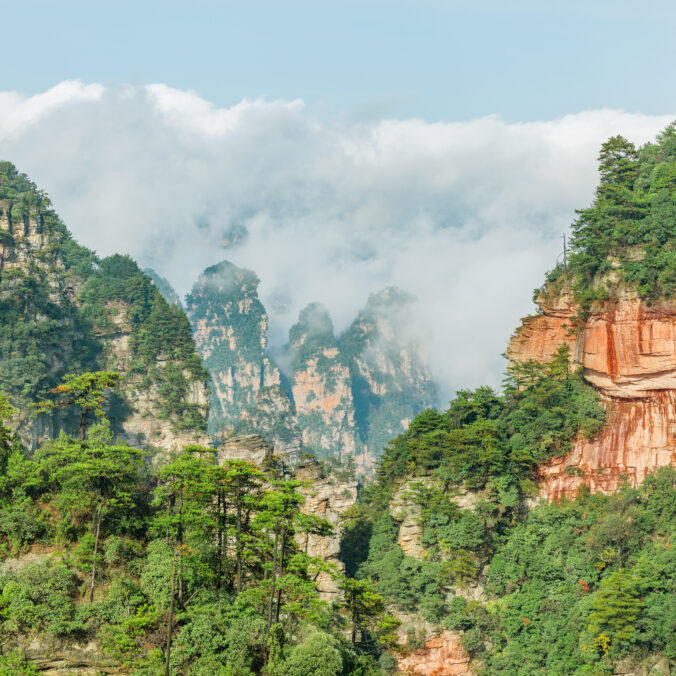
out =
column 465, row 215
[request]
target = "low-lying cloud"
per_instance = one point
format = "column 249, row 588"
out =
column 467, row 216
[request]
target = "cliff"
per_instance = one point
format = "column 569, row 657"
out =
column 391, row 378
column 230, row 331
column 342, row 396
column 322, row 387
column 64, row 310
column 627, row 350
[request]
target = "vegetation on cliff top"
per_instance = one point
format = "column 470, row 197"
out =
column 630, row 227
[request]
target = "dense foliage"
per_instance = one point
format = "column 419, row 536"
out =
column 60, row 306
column 194, row 568
column 568, row 588
column 628, row 234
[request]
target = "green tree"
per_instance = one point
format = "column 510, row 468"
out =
column 95, row 475
column 84, row 390
column 616, row 608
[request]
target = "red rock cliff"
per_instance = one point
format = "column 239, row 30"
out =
column 627, row 350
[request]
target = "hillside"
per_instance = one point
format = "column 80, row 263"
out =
column 522, row 532
column 63, row 310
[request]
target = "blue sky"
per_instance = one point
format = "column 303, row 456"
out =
column 365, row 59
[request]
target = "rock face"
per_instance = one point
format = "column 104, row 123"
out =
column 230, row 330
column 443, row 655
column 322, row 387
column 390, row 378
column 330, row 499
column 339, row 396
column 324, row 496
column 627, row 351
column 55, row 657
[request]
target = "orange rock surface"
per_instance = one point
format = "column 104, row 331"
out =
column 443, row 655
column 628, row 353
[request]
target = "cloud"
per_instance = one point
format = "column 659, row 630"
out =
column 467, row 216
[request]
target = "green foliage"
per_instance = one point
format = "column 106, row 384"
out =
column 629, row 227
column 483, row 436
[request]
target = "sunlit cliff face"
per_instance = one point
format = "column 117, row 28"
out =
column 627, row 350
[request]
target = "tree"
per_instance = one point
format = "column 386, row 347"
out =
column 96, row 475
column 363, row 603
column 184, row 496
column 616, row 608
column 84, row 390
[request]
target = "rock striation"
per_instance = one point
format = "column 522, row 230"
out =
column 627, row 351
column 230, row 330
column 442, row 655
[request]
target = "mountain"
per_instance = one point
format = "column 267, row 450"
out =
column 230, row 332
column 338, row 396
column 63, row 310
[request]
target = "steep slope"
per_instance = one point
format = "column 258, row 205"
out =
column 613, row 304
column 322, row 386
column 340, row 397
column 230, row 330
column 391, row 379
column 62, row 310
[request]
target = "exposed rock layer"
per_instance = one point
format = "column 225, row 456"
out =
column 627, row 350
column 443, row 655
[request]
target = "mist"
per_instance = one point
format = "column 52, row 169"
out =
column 467, row 216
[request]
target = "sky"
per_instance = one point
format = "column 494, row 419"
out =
column 442, row 147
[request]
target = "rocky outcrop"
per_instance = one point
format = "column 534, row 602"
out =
column 55, row 657
column 330, row 499
column 139, row 420
column 627, row 351
column 442, row 655
column 251, row 447
column 322, row 387
column 390, row 377
column 341, row 397
column 230, row 330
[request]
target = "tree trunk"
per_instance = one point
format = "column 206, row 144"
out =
column 97, row 530
column 170, row 623
column 238, row 552
column 180, row 551
column 281, row 572
column 272, row 588
column 83, row 423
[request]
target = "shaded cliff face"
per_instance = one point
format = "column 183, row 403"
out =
column 63, row 310
column 230, row 330
column 627, row 350
column 391, row 379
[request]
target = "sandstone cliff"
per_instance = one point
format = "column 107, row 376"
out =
column 322, row 387
column 230, row 330
column 391, row 378
column 342, row 396
column 627, row 350
column 442, row 655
